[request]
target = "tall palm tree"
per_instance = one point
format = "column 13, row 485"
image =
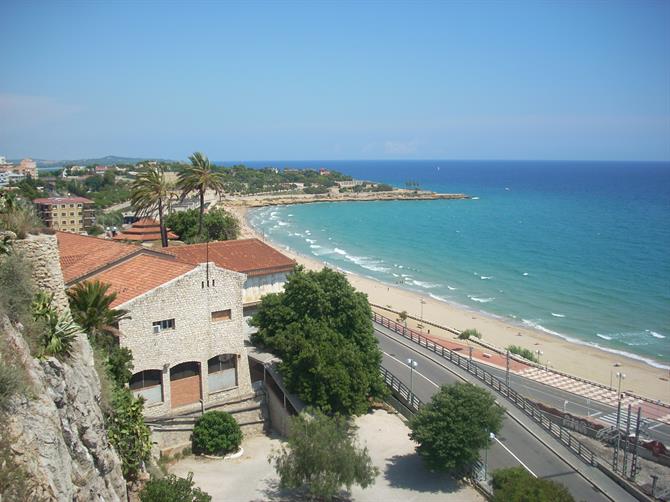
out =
column 199, row 177
column 90, row 303
column 151, row 193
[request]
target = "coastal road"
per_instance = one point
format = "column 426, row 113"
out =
column 516, row 447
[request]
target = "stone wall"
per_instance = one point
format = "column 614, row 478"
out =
column 60, row 435
column 195, row 337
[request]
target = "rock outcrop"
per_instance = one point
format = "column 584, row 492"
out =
column 58, row 427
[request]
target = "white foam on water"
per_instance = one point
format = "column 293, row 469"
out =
column 451, row 288
column 438, row 298
column 525, row 273
column 426, row 285
column 282, row 224
column 485, row 277
column 604, row 337
column 655, row 334
column 311, row 241
column 557, row 315
column 480, row 300
column 475, row 198
column 340, row 251
column 314, row 246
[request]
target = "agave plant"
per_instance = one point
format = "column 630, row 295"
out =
column 60, row 329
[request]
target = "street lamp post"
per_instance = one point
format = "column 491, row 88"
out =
column 423, row 302
column 412, row 364
column 538, row 352
column 492, row 436
column 620, row 376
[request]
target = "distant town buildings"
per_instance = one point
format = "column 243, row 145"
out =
column 324, row 172
column 27, row 167
column 8, row 177
column 69, row 214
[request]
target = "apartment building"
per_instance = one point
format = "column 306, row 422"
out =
column 69, row 214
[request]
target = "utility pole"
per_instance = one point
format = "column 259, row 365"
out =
column 625, row 445
column 412, row 364
column 633, row 462
column 615, row 458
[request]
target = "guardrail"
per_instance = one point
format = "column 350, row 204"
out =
column 410, row 400
column 527, row 406
column 498, row 350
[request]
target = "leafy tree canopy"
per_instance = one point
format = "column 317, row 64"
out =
column 173, row 489
column 218, row 225
column 454, row 426
column 321, row 455
column 518, row 485
column 321, row 328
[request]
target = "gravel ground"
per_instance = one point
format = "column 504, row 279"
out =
column 402, row 477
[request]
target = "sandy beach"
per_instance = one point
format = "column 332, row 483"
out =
column 577, row 359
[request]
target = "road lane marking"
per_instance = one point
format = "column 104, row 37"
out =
column 415, row 371
column 515, row 457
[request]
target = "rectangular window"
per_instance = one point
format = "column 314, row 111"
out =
column 221, row 315
column 222, row 372
column 162, row 325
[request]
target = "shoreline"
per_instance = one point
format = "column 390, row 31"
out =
column 561, row 352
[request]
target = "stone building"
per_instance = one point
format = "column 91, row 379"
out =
column 186, row 319
column 69, row 214
column 184, row 328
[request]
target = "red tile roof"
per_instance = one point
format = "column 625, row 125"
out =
column 63, row 200
column 249, row 256
column 143, row 230
column 81, row 254
column 140, row 274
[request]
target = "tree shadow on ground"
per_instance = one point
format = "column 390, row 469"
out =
column 409, row 472
column 274, row 493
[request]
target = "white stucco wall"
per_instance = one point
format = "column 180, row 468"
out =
column 257, row 286
column 195, row 337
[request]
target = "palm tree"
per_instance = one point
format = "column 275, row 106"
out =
column 199, row 177
column 91, row 308
column 151, row 193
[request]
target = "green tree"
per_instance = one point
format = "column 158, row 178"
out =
column 321, row 328
column 151, row 193
column 173, row 489
column 322, row 456
column 518, row 485
column 90, row 302
column 128, row 433
column 454, row 426
column 216, row 432
column 199, row 177
column 219, row 225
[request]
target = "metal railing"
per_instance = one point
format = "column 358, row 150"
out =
column 527, row 406
column 401, row 390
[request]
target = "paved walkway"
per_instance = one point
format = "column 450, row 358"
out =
column 402, row 478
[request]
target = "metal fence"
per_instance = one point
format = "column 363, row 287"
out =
column 527, row 406
column 401, row 390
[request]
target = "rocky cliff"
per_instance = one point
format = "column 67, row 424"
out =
column 57, row 426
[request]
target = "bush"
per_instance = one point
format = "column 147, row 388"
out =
column 61, row 331
column 469, row 333
column 454, row 426
column 216, row 433
column 517, row 485
column 128, row 433
column 20, row 219
column 173, row 489
column 218, row 225
column 523, row 352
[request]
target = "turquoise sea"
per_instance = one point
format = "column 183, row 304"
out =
column 576, row 249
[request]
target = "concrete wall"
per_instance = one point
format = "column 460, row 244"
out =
column 195, row 337
column 256, row 287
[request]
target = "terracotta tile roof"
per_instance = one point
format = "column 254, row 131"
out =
column 249, row 256
column 140, row 274
column 143, row 230
column 63, row 200
column 81, row 254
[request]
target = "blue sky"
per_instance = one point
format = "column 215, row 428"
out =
column 336, row 80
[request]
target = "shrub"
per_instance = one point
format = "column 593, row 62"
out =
column 216, row 432
column 173, row 489
column 469, row 333
column 128, row 433
column 523, row 352
column 11, row 383
column 20, row 219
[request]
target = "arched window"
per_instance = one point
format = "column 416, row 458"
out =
column 222, row 372
column 148, row 384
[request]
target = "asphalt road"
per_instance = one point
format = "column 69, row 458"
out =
column 515, row 447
